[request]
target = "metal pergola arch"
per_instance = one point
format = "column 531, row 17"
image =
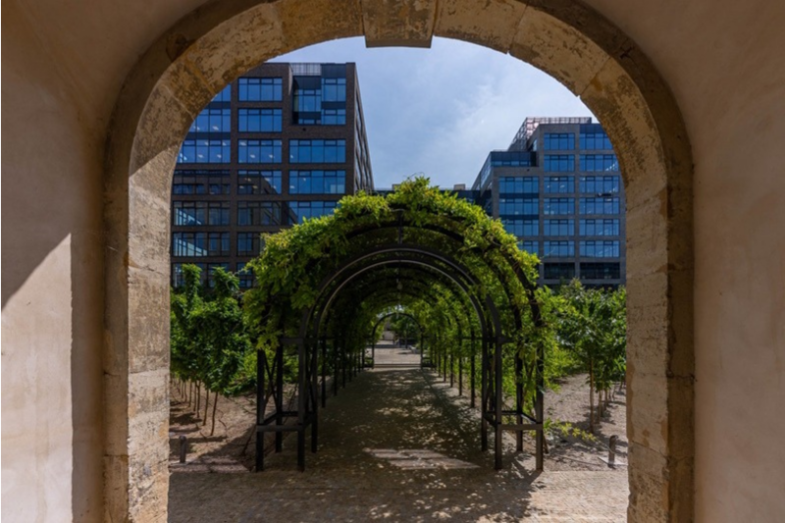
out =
column 423, row 290
column 424, row 256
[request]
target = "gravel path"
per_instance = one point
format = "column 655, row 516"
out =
column 398, row 445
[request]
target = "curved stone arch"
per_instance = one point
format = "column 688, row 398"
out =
column 217, row 42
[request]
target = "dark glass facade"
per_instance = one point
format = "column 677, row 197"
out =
column 558, row 189
column 566, row 204
column 281, row 144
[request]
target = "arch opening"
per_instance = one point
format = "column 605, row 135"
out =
column 171, row 83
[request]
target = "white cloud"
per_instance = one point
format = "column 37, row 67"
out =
column 441, row 110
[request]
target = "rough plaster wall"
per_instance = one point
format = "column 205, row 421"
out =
column 726, row 68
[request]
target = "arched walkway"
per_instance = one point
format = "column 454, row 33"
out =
column 198, row 56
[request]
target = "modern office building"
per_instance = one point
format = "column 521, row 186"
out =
column 282, row 143
column 558, row 188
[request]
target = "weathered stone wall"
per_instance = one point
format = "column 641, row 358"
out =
column 65, row 68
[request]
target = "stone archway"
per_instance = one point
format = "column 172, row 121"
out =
column 216, row 43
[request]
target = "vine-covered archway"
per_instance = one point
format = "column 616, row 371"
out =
column 323, row 284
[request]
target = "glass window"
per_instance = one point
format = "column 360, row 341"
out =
column 259, row 120
column 190, row 182
column 600, row 271
column 317, row 151
column 559, row 271
column 559, row 162
column 530, row 246
column 599, row 206
column 225, row 95
column 519, row 185
column 189, row 244
column 334, row 89
column 609, row 227
column 559, row 228
column 212, row 121
column 307, row 100
column 559, row 142
column 190, row 213
column 559, row 184
column 187, row 183
column 559, row 248
column 218, row 213
column 205, row 151
column 200, row 213
column 520, row 227
column 595, row 139
column 217, row 244
column 259, row 151
column 259, row 213
column 600, row 248
column 307, row 210
column 510, row 159
column 317, row 182
column 559, row 206
column 333, row 116
column 260, row 89
column 599, row 184
column 258, row 182
column 218, row 182
column 248, row 243
column 599, row 162
column 518, row 206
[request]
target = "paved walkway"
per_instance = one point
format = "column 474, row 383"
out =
column 397, row 445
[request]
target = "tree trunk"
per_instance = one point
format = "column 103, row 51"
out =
column 206, row 404
column 591, row 397
column 215, row 405
column 198, row 399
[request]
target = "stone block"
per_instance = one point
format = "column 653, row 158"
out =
column 162, row 126
column 405, row 23
column 647, row 423
column 148, row 325
column 116, row 415
column 648, row 487
column 492, row 24
column 557, row 48
column 237, row 45
column 149, row 231
column 647, row 290
column 148, row 395
column 616, row 101
column 647, row 242
column 308, row 22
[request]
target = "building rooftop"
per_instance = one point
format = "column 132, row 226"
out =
column 531, row 123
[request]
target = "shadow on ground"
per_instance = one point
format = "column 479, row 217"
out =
column 397, row 444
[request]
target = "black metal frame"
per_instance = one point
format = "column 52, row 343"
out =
column 310, row 341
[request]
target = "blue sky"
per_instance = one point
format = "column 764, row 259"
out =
column 439, row 111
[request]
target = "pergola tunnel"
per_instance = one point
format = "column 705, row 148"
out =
column 325, row 286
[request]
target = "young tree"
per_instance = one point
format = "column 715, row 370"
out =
column 225, row 339
column 186, row 343
column 590, row 329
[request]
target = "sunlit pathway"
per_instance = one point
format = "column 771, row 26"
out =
column 397, row 445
